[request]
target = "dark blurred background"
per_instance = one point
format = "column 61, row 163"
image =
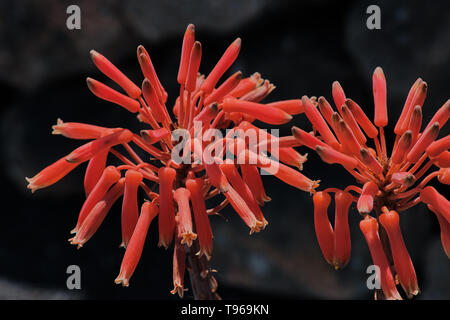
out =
column 300, row 46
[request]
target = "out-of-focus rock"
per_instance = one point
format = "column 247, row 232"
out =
column 412, row 43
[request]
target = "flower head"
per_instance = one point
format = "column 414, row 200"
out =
column 389, row 182
column 184, row 149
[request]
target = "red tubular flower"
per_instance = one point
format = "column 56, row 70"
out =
column 293, row 107
column 90, row 149
column 379, row 96
column 370, row 161
column 439, row 146
column 365, row 201
column 225, row 88
column 401, row 149
column 166, row 220
column 432, row 197
column 369, row 227
column 322, row 225
column 110, row 176
column 329, row 155
column 348, row 117
column 402, row 261
column 264, row 113
column 154, row 136
column 81, row 131
column 130, row 210
column 325, row 109
column 149, row 210
column 424, row 141
column 342, row 242
column 252, row 178
column 405, row 179
column 318, row 122
column 95, row 218
column 338, row 95
column 94, row 170
column 370, row 130
column 184, row 220
column 444, row 176
column 106, row 93
column 230, row 171
column 179, row 263
column 111, row 71
column 224, row 63
column 445, row 230
column 51, row 174
column 202, row 225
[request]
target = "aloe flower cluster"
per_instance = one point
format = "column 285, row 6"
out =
column 176, row 186
column 390, row 182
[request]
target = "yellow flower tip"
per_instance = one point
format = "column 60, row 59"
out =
column 178, row 289
column 122, row 280
column 188, row 237
column 162, row 243
column 203, row 252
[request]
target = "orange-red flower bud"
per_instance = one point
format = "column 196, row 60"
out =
column 342, row 242
column 293, row 107
column 431, row 196
column 109, row 176
column 106, row 93
column 338, row 95
column 444, row 176
column 188, row 42
column 445, row 230
column 166, row 220
column 365, row 201
column 369, row 227
column 194, row 65
column 81, row 131
column 184, row 219
column 51, row 174
column 111, row 71
column 325, row 109
column 261, row 112
column 318, row 122
column 230, row 171
column 90, row 149
column 322, row 225
column 222, row 66
column 94, row 170
column 330, row 155
column 348, row 117
column 98, row 213
column 415, row 123
column 370, row 161
column 224, row 89
column 424, row 141
column 401, row 149
column 442, row 160
column 150, row 74
column 179, row 265
column 130, row 210
column 202, row 225
column 442, row 115
column 149, row 210
column 151, row 96
column 370, row 130
column 154, row 136
column 379, row 96
column 252, row 178
column 403, row 178
column 306, row 138
column 402, row 261
column 438, row 146
column 416, row 97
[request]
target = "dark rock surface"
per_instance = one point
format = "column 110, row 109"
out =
column 302, row 47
